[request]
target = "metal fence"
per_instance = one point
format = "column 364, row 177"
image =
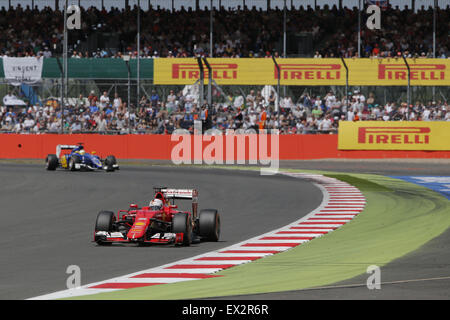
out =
column 50, row 88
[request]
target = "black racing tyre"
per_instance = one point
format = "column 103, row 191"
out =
column 109, row 162
column 51, row 162
column 209, row 225
column 105, row 220
column 111, row 159
column 73, row 160
column 182, row 223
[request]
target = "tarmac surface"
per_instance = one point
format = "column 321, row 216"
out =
column 387, row 167
column 48, row 219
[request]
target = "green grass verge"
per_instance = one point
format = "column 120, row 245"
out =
column 400, row 217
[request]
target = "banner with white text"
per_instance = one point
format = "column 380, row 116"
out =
column 22, row 70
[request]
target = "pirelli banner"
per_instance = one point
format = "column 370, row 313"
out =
column 394, row 135
column 305, row 72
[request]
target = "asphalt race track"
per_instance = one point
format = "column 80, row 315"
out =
column 433, row 167
column 48, row 219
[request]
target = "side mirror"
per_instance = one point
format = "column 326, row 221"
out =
column 133, row 206
column 174, row 206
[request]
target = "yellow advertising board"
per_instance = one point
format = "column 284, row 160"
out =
column 224, row 71
column 394, row 135
column 305, row 71
column 394, row 72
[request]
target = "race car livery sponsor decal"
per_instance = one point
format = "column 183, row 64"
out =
column 341, row 203
column 439, row 184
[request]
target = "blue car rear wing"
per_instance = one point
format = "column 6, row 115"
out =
column 61, row 147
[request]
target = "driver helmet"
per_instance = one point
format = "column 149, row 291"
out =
column 156, row 204
column 82, row 152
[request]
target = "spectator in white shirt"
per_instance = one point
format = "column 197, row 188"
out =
column 325, row 125
column 116, row 102
column 55, row 125
column 18, row 127
column 101, row 127
column 350, row 115
column 104, row 100
column 250, row 99
column 75, row 127
column 426, row 115
column 171, row 98
column 447, row 116
column 358, row 95
column 330, row 99
column 189, row 100
column 238, row 101
column 28, row 123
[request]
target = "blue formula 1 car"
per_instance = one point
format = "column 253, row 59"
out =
column 78, row 159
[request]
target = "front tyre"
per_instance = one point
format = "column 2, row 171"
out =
column 209, row 225
column 182, row 223
column 110, row 161
column 105, row 221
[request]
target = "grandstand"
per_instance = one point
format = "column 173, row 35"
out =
column 331, row 29
column 103, row 57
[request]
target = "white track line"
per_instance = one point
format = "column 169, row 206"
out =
column 341, row 203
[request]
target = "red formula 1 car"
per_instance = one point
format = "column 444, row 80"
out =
column 159, row 222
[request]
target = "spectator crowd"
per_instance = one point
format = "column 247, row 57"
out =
column 178, row 110
column 237, row 33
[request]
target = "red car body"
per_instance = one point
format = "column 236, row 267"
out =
column 146, row 225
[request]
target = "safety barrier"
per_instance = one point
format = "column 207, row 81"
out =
column 160, row 147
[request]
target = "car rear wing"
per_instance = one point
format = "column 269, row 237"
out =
column 180, row 193
column 61, row 147
column 183, row 194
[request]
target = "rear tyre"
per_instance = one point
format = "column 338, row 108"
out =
column 182, row 223
column 51, row 162
column 209, row 225
column 110, row 161
column 104, row 222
